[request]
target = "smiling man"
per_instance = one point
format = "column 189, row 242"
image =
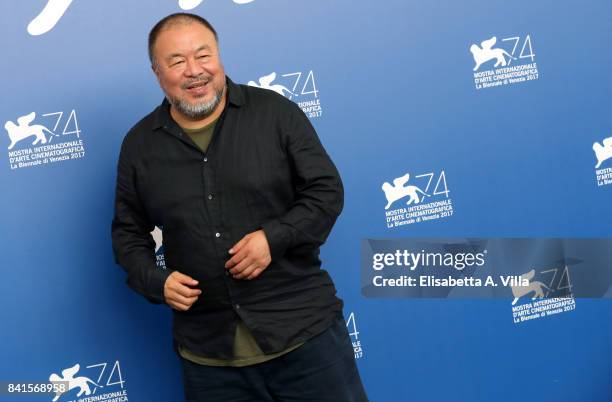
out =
column 246, row 195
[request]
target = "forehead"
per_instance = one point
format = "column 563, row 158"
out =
column 183, row 38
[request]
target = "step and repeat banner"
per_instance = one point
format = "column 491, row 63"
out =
column 474, row 140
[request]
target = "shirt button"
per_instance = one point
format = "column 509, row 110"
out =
column 205, row 159
column 210, row 196
column 217, row 234
column 237, row 306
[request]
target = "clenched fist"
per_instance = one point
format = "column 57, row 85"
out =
column 179, row 291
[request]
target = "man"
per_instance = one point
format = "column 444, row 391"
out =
column 245, row 194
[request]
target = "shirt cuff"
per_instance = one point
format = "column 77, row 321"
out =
column 157, row 282
column 278, row 238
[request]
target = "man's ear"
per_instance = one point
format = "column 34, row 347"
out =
column 155, row 69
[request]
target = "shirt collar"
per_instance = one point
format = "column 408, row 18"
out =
column 235, row 97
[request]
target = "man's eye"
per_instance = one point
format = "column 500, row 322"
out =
column 203, row 56
column 176, row 63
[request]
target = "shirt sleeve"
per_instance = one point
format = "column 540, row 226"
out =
column 319, row 194
column 133, row 244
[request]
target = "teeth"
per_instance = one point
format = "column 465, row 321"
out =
column 199, row 84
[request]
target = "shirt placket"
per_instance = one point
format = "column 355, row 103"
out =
column 213, row 206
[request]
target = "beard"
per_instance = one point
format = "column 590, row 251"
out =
column 198, row 110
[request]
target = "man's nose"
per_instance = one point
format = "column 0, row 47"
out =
column 192, row 68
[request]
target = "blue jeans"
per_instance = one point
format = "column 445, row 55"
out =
column 323, row 369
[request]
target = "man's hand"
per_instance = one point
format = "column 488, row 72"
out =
column 178, row 293
column 251, row 255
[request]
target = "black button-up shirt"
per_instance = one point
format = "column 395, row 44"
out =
column 265, row 169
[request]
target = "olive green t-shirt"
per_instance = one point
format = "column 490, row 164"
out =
column 202, row 136
column 246, row 350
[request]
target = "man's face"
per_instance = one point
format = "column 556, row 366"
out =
column 189, row 70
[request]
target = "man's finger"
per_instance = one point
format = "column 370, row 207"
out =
column 236, row 247
column 255, row 274
column 239, row 256
column 179, row 306
column 185, row 291
column 188, row 301
column 184, row 279
column 241, row 266
column 246, row 272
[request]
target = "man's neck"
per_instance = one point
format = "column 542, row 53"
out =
column 186, row 122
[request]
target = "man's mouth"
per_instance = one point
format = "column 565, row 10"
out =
column 195, row 85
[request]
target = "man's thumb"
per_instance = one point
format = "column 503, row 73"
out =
column 185, row 279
